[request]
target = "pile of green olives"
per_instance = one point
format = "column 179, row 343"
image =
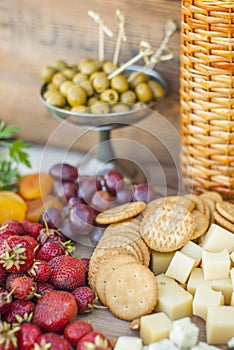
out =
column 86, row 87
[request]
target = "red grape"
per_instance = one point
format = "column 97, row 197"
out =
column 144, row 193
column 113, row 181
column 65, row 190
column 64, row 172
column 124, row 195
column 81, row 219
column 87, row 187
column 101, row 201
column 52, row 216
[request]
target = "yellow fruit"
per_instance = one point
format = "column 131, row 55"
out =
column 12, row 206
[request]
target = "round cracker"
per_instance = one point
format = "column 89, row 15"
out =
column 223, row 222
column 197, row 201
column 106, row 269
column 131, row 291
column 211, row 205
column 168, row 229
column 201, row 224
column 182, row 201
column 120, row 212
column 215, row 196
column 226, row 209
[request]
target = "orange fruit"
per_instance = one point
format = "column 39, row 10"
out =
column 37, row 206
column 12, row 206
column 36, row 185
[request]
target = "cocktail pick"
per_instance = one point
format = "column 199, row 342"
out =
column 145, row 50
column 121, row 34
column 102, row 28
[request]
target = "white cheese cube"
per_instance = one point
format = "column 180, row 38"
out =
column 203, row 346
column 164, row 344
column 230, row 343
column 127, row 342
column 217, row 239
column 224, row 286
column 232, row 277
column 196, row 279
column 194, row 251
column 204, row 297
column 232, row 257
column 215, row 265
column 219, row 324
column 160, row 261
column 184, row 333
column 154, row 327
column 232, row 299
column 180, row 267
column 173, row 300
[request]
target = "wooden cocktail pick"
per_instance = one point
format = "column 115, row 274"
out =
column 121, row 34
column 102, row 28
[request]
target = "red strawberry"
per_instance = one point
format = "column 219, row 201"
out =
column 27, row 336
column 8, row 340
column 95, row 341
column 5, row 235
column 56, row 342
column 67, row 272
column 31, row 240
column 55, row 310
column 86, row 298
column 19, row 311
column 85, row 261
column 49, row 250
column 23, row 288
column 16, row 254
column 43, row 288
column 10, row 278
column 40, row 271
column 50, row 235
column 5, row 300
column 14, row 226
column 32, row 228
column 74, row 331
column 3, row 275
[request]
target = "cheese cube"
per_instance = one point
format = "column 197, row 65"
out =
column 196, row 279
column 160, row 261
column 203, row 346
column 175, row 269
column 215, row 265
column 184, row 333
column 230, row 343
column 232, row 277
column 224, row 286
column 164, row 344
column 219, row 324
column 204, row 297
column 154, row 327
column 173, row 300
column 217, row 239
column 232, row 299
column 194, row 251
column 232, row 257
column 127, row 342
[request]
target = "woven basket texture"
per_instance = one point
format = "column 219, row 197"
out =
column 207, row 96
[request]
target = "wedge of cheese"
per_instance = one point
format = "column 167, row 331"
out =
column 219, row 324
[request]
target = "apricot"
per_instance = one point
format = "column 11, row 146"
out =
column 35, row 185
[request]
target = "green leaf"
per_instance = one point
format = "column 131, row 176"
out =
column 7, row 132
column 17, row 153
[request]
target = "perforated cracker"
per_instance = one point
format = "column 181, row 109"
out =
column 120, row 212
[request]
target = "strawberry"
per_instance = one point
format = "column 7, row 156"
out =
column 49, row 250
column 85, row 299
column 74, row 331
column 40, row 271
column 32, row 240
column 52, row 341
column 32, row 228
column 67, row 272
column 95, row 341
column 43, row 288
column 85, row 261
column 16, row 254
column 50, row 235
column 10, row 278
column 55, row 310
column 8, row 340
column 27, row 336
column 5, row 235
column 14, row 226
column 3, row 275
column 5, row 300
column 23, row 288
column 20, row 311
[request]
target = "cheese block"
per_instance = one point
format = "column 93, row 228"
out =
column 154, row 327
column 173, row 300
column 217, row 239
column 219, row 324
column 204, row 297
column 232, row 299
column 232, row 257
column 196, row 279
column 174, row 269
column 160, row 261
column 232, row 277
column 230, row 343
column 164, row 344
column 203, row 346
column 194, row 251
column 184, row 333
column 128, row 342
column 224, row 286
column 215, row 265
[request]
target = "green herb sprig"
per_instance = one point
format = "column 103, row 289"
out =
column 9, row 163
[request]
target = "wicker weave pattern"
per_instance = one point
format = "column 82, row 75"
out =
column 207, row 97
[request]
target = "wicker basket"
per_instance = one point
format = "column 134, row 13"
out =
column 207, row 96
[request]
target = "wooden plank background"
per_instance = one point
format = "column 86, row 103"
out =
column 34, row 33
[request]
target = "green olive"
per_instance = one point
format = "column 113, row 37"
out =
column 59, row 65
column 120, row 108
column 144, row 93
column 69, row 73
column 87, row 86
column 79, row 77
column 58, row 79
column 49, row 87
column 100, row 108
column 100, row 83
column 65, row 86
column 91, row 101
column 136, row 78
column 119, row 83
column 156, row 89
column 76, row 96
column 109, row 96
column 55, row 98
column 78, row 109
column 97, row 74
column 88, row 67
column 109, row 67
column 128, row 96
column 47, row 74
